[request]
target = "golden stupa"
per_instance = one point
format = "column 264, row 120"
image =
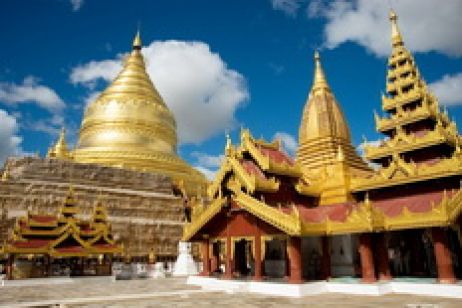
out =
column 326, row 154
column 324, row 132
column 130, row 126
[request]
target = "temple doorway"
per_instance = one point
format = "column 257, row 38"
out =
column 217, row 266
column 411, row 253
column 242, row 258
column 275, row 262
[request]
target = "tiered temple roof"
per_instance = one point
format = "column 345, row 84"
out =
column 421, row 143
column 63, row 235
column 260, row 178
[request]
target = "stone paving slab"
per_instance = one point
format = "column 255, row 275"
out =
column 245, row 300
column 173, row 292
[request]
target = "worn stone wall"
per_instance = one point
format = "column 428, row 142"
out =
column 142, row 209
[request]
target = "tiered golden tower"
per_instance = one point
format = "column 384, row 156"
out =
column 418, row 134
column 325, row 151
column 130, row 126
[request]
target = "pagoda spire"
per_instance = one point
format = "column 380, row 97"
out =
column 396, row 38
column 319, row 80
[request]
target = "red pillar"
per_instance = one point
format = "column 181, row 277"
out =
column 295, row 259
column 205, row 258
column 325, row 261
column 229, row 261
column 381, row 249
column 258, row 262
column 367, row 259
column 443, row 256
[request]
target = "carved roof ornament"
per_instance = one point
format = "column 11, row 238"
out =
column 229, row 149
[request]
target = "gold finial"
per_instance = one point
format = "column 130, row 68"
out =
column 319, row 77
column 137, row 44
column 396, row 38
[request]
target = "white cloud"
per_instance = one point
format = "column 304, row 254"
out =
column 448, row 89
column 30, row 91
column 289, row 7
column 372, row 143
column 206, row 160
column 209, row 173
column 42, row 125
column 76, row 4
column 289, row 142
column 207, row 164
column 426, row 25
column 199, row 88
column 89, row 73
column 10, row 142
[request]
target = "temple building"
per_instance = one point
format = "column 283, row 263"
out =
column 328, row 213
column 63, row 244
column 126, row 153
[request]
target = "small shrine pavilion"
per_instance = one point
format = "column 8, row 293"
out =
column 62, row 244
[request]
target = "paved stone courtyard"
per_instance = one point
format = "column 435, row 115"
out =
column 173, row 292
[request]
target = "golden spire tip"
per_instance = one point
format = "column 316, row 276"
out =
column 396, row 38
column 137, row 44
column 319, row 77
column 392, row 15
column 317, row 57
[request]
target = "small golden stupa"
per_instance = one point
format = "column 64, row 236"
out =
column 130, row 126
column 60, row 148
column 325, row 151
column 324, row 132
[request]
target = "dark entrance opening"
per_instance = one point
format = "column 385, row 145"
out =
column 242, row 258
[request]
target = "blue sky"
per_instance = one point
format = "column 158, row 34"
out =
column 251, row 63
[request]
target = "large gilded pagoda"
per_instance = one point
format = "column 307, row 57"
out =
column 42, row 245
column 130, row 126
column 327, row 213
